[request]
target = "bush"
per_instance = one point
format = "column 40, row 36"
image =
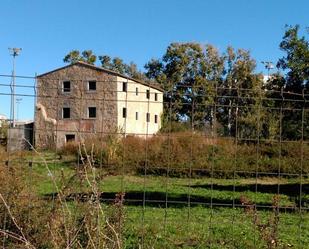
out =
column 101, row 151
column 3, row 133
column 175, row 127
column 29, row 221
column 188, row 153
column 25, row 208
column 192, row 153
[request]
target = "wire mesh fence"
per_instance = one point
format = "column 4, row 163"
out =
column 120, row 164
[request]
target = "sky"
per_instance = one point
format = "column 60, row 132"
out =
column 135, row 30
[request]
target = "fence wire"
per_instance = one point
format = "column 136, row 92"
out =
column 228, row 168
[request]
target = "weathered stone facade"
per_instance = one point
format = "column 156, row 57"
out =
column 52, row 130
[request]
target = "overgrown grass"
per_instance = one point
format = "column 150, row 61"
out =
column 170, row 212
column 260, row 190
column 192, row 153
column 201, row 227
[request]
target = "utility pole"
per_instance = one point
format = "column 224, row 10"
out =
column 268, row 65
column 18, row 101
column 14, row 52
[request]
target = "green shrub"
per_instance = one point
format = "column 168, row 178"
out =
column 192, row 153
column 53, row 221
column 4, row 133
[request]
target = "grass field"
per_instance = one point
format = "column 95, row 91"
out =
column 195, row 212
column 170, row 212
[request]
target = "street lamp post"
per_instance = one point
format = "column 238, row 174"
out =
column 14, row 52
column 18, row 100
column 269, row 66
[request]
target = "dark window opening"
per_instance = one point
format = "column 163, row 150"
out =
column 136, row 116
column 92, row 85
column 124, row 86
column 147, row 94
column 66, row 86
column 136, row 91
column 156, row 97
column 70, row 138
column 66, row 112
column 156, row 119
column 92, row 112
column 124, row 112
column 147, row 117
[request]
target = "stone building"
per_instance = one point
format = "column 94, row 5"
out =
column 81, row 101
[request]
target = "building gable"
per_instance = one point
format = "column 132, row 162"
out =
column 99, row 69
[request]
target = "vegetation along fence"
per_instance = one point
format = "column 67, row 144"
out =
column 227, row 167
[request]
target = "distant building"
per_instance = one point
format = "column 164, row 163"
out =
column 80, row 101
column 3, row 119
column 266, row 78
column 267, row 81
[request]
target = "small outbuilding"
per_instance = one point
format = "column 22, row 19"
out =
column 20, row 137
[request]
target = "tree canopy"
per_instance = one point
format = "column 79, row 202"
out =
column 193, row 75
column 204, row 87
column 115, row 64
column 296, row 59
column 85, row 56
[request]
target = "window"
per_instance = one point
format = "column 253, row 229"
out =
column 124, row 86
column 124, row 112
column 66, row 86
column 69, row 138
column 147, row 94
column 147, row 117
column 136, row 116
column 66, row 112
column 156, row 96
column 156, row 119
column 92, row 85
column 136, row 91
column 92, row 112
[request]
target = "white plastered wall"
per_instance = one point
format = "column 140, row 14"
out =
column 138, row 103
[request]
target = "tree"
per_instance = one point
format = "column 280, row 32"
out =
column 209, row 89
column 132, row 71
column 105, row 61
column 294, row 83
column 296, row 60
column 188, row 72
column 241, row 92
column 155, row 70
column 89, row 57
column 116, row 64
column 75, row 56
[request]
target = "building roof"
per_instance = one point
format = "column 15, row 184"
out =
column 2, row 116
column 81, row 63
column 23, row 122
